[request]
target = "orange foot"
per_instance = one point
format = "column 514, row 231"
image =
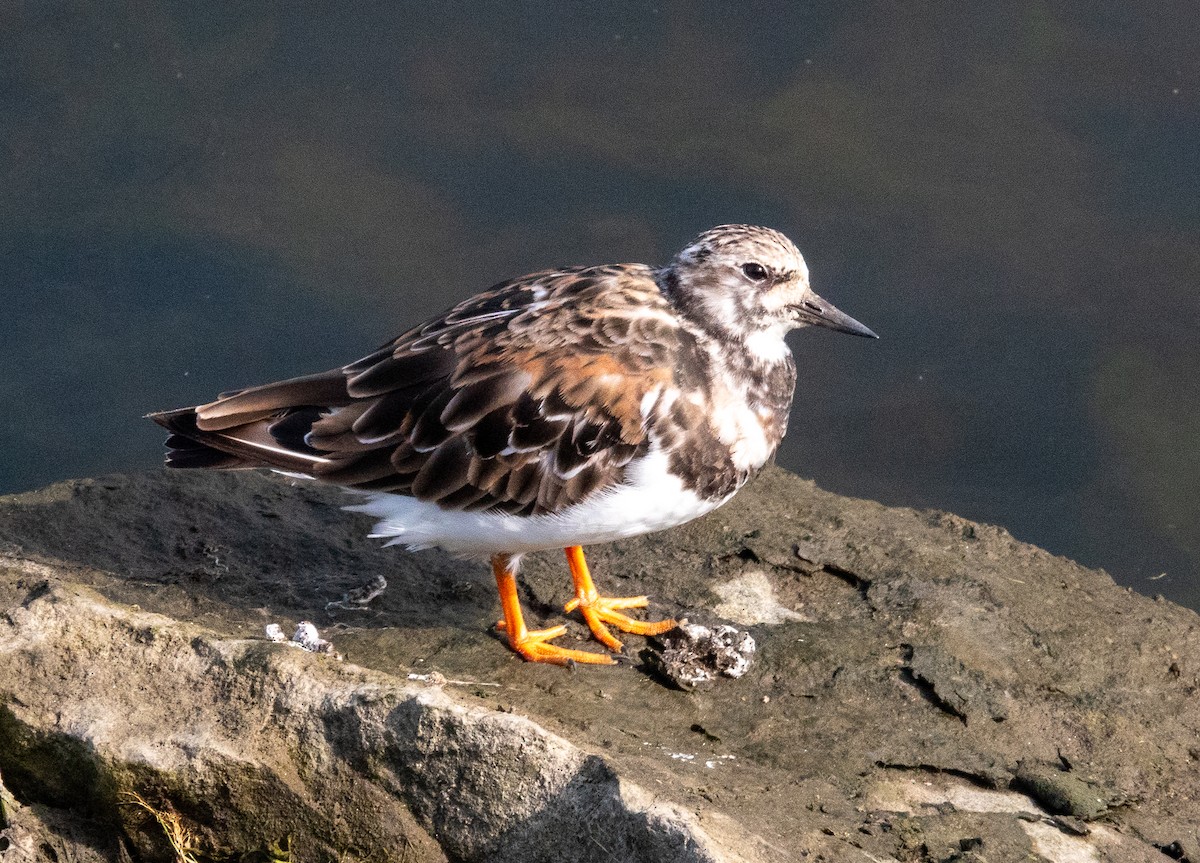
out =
column 598, row 610
column 534, row 645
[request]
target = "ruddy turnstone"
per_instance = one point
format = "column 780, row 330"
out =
column 562, row 408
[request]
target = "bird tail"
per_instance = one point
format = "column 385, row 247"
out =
column 257, row 427
column 186, row 445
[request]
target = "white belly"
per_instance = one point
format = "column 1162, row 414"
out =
column 650, row 499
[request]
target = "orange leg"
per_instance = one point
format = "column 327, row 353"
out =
column 533, row 645
column 598, row 610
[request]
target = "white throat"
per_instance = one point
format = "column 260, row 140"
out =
column 768, row 345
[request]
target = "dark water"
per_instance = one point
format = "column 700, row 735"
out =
column 198, row 196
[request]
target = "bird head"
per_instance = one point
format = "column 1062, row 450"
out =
column 750, row 282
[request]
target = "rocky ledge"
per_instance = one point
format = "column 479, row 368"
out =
column 923, row 689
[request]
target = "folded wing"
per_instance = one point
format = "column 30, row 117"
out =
column 524, row 400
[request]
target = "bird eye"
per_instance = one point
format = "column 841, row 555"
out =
column 754, row 272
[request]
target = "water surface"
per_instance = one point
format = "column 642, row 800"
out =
column 196, row 197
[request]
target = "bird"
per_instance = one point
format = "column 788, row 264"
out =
column 563, row 408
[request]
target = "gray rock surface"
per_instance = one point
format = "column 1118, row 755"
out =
column 924, row 689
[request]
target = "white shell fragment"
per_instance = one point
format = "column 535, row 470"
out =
column 306, row 637
column 693, row 655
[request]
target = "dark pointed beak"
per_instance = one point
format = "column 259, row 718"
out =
column 818, row 312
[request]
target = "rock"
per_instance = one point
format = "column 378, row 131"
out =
column 953, row 686
column 750, row 599
column 1061, row 792
column 252, row 745
column 924, row 688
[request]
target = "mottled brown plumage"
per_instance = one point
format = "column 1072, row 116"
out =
column 480, row 408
